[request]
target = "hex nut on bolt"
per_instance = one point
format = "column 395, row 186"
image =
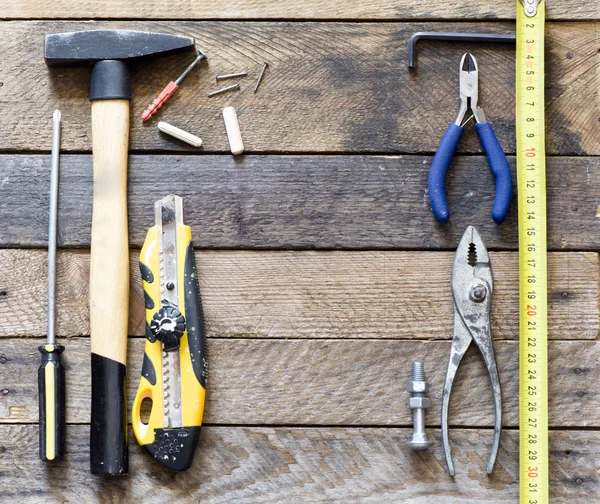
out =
column 417, row 386
column 418, row 403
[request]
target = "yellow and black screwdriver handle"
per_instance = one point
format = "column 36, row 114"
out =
column 172, row 447
column 51, row 386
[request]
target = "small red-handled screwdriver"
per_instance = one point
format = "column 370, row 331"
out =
column 172, row 86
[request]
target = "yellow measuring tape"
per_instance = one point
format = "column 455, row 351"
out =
column 533, row 294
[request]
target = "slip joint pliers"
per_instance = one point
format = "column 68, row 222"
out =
column 472, row 289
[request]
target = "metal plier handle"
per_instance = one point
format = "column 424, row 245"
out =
column 469, row 76
column 472, row 289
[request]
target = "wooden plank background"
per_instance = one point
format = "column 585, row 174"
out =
column 284, row 9
column 260, row 382
column 322, row 270
column 274, row 465
column 300, row 202
column 332, row 87
column 247, row 294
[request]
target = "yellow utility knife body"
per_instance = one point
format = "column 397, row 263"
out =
column 174, row 367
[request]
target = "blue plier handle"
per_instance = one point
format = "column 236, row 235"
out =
column 496, row 158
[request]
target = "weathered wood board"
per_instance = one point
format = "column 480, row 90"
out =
column 247, row 465
column 325, row 382
column 340, row 202
column 331, row 87
column 284, row 9
column 390, row 295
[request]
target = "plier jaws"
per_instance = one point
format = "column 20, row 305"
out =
column 468, row 89
column 499, row 167
column 472, row 289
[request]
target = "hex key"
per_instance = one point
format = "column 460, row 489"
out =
column 454, row 36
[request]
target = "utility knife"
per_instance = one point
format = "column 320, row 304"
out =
column 173, row 381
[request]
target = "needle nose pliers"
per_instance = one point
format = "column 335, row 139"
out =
column 472, row 288
column 443, row 157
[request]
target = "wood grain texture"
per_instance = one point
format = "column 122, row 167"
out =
column 341, row 202
column 109, row 255
column 283, row 9
column 247, row 465
column 392, row 295
column 325, row 382
column 331, row 87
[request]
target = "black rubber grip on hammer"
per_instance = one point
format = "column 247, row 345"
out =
column 110, row 81
column 51, row 387
column 108, row 436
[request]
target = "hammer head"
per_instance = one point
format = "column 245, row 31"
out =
column 88, row 47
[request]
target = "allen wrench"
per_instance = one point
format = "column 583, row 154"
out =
column 454, row 37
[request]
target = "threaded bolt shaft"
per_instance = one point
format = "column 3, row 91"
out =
column 418, row 371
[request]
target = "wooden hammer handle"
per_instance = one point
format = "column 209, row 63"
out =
column 109, row 286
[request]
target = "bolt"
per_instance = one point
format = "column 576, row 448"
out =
column 170, row 286
column 478, row 293
column 418, row 403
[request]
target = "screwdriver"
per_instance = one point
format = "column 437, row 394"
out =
column 51, row 373
column 171, row 87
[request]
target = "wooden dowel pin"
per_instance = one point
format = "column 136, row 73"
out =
column 180, row 134
column 233, row 131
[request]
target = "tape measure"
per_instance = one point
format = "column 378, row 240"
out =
column 533, row 290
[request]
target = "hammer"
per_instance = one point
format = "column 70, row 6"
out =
column 108, row 51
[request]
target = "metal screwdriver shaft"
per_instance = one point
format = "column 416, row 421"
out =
column 51, row 373
column 53, row 214
column 171, row 87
